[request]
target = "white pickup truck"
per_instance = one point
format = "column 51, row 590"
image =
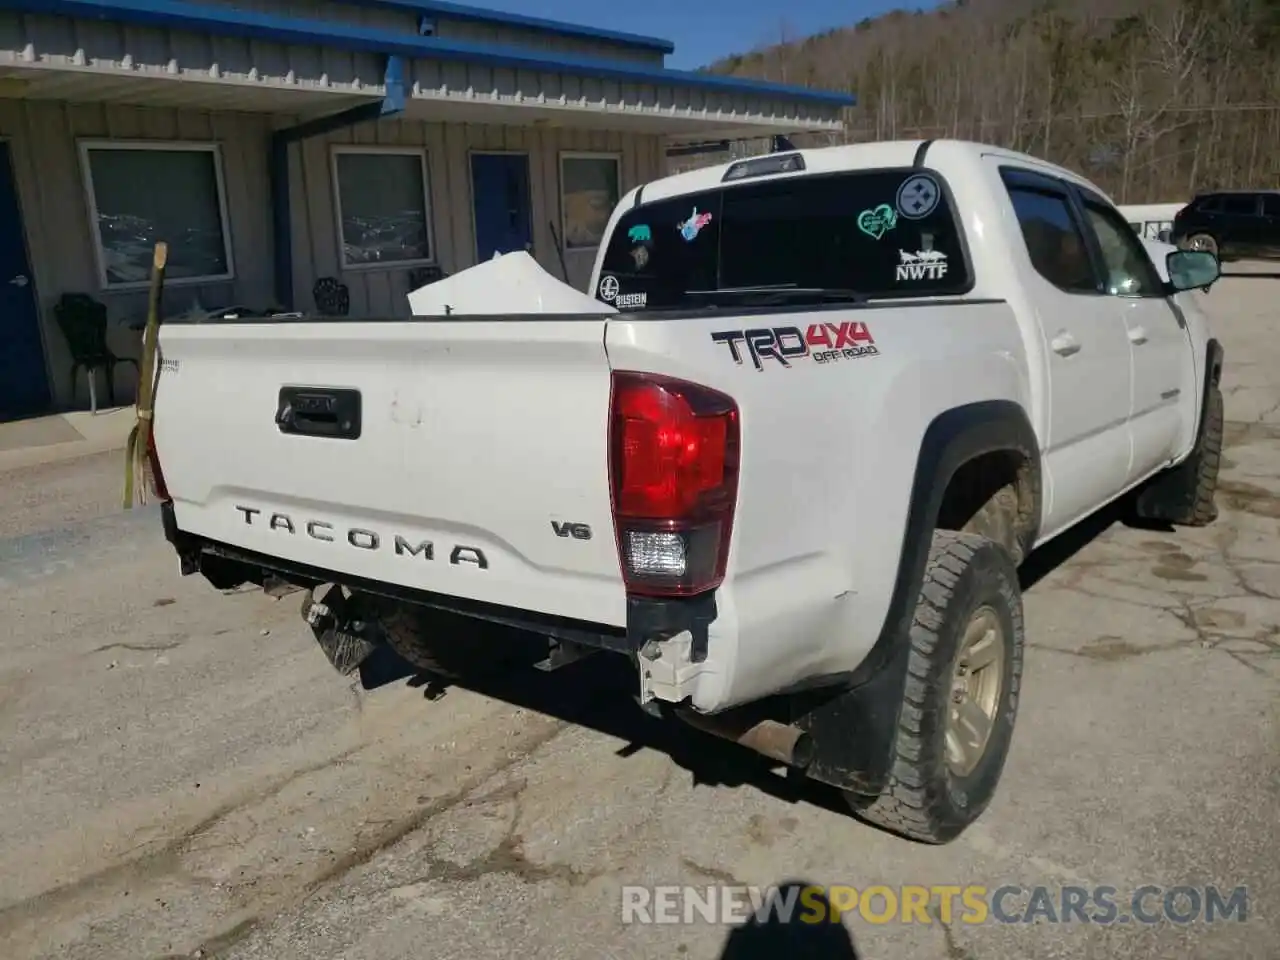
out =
column 832, row 399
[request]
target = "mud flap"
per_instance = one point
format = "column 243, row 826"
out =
column 334, row 621
column 853, row 731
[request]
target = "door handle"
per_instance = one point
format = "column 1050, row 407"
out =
column 1064, row 344
column 19, row 281
column 1138, row 335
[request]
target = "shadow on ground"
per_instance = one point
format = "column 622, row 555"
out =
column 771, row 938
column 599, row 693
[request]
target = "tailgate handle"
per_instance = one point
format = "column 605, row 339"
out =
column 319, row 412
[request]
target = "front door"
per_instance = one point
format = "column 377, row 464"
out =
column 1162, row 364
column 24, row 381
column 500, row 194
column 1088, row 449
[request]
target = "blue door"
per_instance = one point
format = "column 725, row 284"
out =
column 500, row 193
column 24, row 381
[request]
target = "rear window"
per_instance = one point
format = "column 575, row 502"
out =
column 884, row 233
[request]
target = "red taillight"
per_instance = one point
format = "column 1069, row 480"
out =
column 158, row 488
column 673, row 465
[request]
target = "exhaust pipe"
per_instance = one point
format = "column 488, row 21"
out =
column 778, row 741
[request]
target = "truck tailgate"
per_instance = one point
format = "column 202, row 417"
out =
column 480, row 469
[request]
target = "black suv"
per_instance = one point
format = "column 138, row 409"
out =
column 1234, row 224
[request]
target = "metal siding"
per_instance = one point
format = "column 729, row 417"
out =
column 448, row 145
column 132, row 52
column 515, row 37
column 381, row 18
column 47, row 168
column 50, row 183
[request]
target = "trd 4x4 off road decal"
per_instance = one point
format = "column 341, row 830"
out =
column 824, row 342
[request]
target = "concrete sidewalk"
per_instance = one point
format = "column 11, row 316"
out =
column 63, row 436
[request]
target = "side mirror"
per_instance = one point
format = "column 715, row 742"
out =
column 1191, row 269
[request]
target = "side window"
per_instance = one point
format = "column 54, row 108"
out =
column 1271, row 204
column 1056, row 246
column 1240, row 204
column 1208, row 204
column 1129, row 269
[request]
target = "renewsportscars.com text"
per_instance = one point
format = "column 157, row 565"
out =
column 729, row 904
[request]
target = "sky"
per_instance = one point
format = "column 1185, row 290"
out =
column 705, row 30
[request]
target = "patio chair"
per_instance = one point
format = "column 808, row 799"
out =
column 332, row 297
column 83, row 321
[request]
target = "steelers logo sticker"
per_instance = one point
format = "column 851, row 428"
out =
column 918, row 196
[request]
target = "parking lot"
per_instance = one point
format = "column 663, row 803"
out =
column 184, row 774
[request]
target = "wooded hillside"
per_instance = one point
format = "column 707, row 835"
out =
column 1152, row 99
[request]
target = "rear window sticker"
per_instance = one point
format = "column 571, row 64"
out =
column 641, row 257
column 690, row 228
column 608, row 288
column 921, row 265
column 918, row 196
column 877, row 221
column 629, row 301
column 639, row 233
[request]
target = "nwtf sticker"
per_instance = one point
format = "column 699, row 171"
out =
column 921, row 265
column 823, row 342
column 877, row 221
column 608, row 288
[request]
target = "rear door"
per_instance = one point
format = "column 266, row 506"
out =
column 457, row 457
column 1088, row 451
column 1162, row 364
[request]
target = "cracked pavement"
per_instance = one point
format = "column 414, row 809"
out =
column 184, row 774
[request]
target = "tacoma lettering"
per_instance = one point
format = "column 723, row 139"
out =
column 364, row 539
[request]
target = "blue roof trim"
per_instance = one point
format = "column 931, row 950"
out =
column 458, row 11
column 228, row 21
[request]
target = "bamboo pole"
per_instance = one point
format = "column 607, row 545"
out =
column 140, row 436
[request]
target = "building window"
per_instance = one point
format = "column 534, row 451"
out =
column 383, row 215
column 589, row 190
column 142, row 193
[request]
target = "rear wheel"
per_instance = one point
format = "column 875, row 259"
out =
column 960, row 701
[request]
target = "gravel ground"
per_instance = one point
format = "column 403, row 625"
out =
column 183, row 774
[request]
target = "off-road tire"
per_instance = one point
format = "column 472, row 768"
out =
column 1185, row 494
column 1205, row 461
column 923, row 800
column 457, row 647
